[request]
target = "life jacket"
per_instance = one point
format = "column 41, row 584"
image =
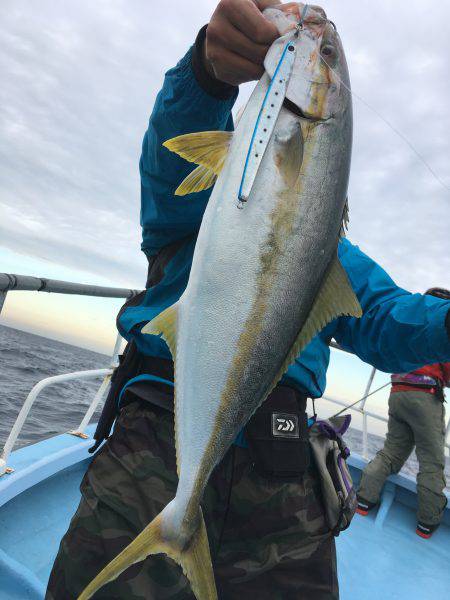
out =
column 430, row 379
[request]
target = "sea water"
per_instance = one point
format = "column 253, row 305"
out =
column 25, row 359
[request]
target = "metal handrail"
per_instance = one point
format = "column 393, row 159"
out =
column 29, row 401
column 9, row 282
column 359, row 407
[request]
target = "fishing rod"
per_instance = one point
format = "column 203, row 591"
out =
column 360, row 399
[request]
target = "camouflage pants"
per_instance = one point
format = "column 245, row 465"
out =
column 267, row 539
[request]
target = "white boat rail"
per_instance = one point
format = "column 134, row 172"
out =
column 21, row 282
column 30, row 399
column 366, row 413
column 359, row 407
column 8, row 283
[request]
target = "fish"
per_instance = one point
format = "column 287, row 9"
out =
column 265, row 276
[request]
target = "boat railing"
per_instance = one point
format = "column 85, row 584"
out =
column 9, row 283
column 360, row 407
column 20, row 282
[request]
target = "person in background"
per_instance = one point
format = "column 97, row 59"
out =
column 416, row 418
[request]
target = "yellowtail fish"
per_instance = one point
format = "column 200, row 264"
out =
column 264, row 280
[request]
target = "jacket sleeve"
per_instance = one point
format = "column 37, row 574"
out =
column 189, row 101
column 399, row 331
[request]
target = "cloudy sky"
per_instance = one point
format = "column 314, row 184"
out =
column 78, row 83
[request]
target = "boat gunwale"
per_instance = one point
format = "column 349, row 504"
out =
column 63, row 451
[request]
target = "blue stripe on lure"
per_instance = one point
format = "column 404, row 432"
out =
column 267, row 117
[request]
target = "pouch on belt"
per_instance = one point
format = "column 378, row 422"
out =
column 277, row 435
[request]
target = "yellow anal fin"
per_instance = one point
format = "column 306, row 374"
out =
column 200, row 179
column 206, row 148
column 194, row 558
column 335, row 298
column 165, row 324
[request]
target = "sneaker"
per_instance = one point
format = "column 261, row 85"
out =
column 426, row 531
column 364, row 506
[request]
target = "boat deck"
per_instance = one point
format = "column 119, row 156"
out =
column 379, row 556
column 390, row 561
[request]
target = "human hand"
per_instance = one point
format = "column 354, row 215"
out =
column 237, row 40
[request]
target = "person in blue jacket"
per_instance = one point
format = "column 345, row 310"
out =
column 266, row 527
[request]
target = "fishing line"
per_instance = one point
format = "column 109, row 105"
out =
column 360, row 400
column 391, row 126
column 302, row 17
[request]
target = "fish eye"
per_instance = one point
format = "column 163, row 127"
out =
column 327, row 51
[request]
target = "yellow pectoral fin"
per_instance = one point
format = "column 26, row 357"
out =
column 165, row 324
column 200, row 179
column 335, row 298
column 206, row 148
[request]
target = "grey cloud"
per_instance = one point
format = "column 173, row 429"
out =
column 78, row 83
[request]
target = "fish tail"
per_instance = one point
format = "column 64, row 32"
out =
column 193, row 556
column 195, row 560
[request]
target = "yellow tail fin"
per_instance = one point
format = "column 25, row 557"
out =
column 194, row 558
column 195, row 561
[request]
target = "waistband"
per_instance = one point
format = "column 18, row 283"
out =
column 159, row 391
column 403, row 387
column 414, row 379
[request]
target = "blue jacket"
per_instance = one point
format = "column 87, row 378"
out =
column 398, row 331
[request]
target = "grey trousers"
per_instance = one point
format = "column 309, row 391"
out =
column 417, row 419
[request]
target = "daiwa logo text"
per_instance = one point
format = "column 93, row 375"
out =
column 284, row 425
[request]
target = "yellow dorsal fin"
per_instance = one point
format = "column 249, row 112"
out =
column 200, row 179
column 206, row 148
column 335, row 298
column 165, row 324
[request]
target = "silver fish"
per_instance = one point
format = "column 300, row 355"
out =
column 264, row 280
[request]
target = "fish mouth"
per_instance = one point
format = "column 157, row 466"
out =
column 296, row 110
